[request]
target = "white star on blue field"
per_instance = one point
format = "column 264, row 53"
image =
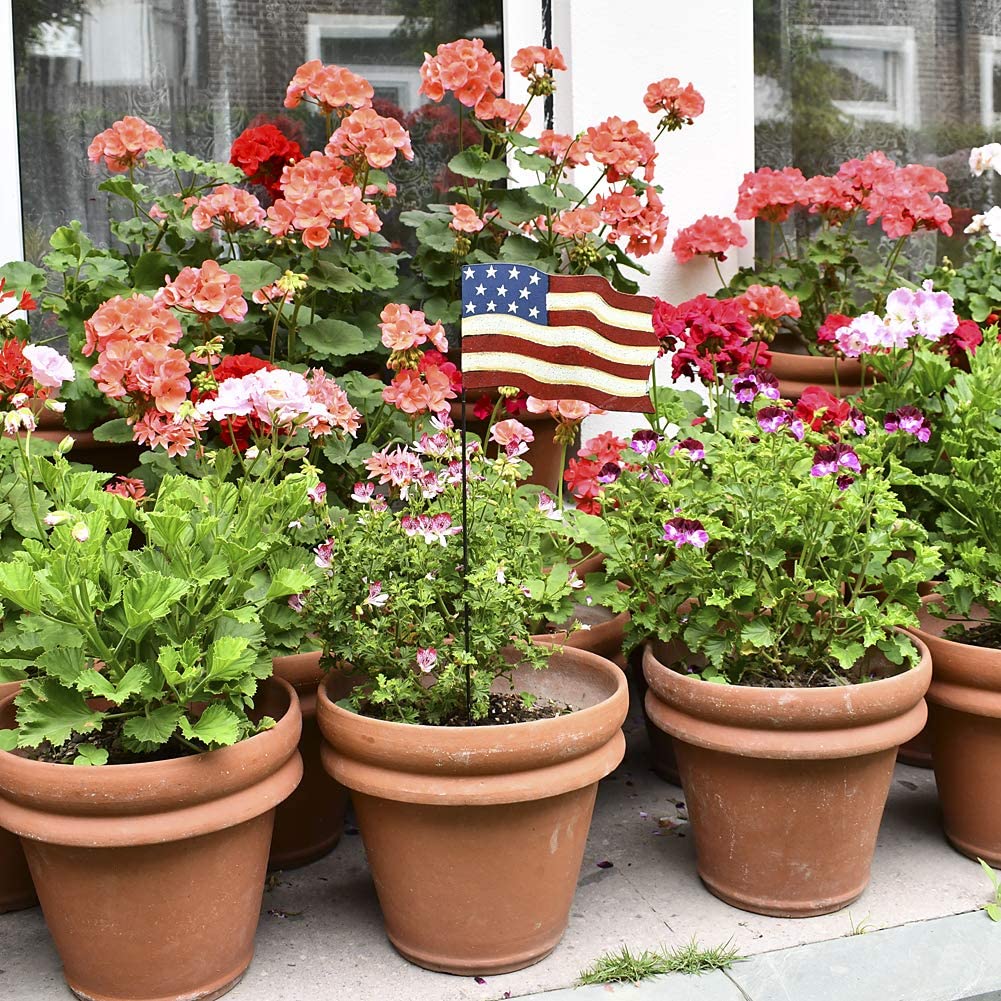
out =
column 515, row 289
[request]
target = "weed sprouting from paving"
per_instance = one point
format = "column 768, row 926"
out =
column 994, row 907
column 862, row 927
column 625, row 966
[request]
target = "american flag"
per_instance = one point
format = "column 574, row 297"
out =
column 556, row 336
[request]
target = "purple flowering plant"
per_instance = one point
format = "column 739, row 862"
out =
column 392, row 601
column 774, row 549
column 912, row 354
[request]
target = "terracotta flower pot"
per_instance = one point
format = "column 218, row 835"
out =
column 120, row 458
column 310, row 822
column 662, row 758
column 151, row 875
column 917, row 751
column 475, row 835
column 16, row 888
column 964, row 706
column 785, row 787
column 601, row 632
column 797, row 371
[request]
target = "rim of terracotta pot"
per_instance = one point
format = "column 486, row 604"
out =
column 156, row 801
column 451, row 765
column 850, row 369
column 965, row 677
column 811, row 723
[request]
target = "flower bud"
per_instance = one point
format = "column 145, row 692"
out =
column 56, row 406
column 81, row 532
column 56, row 518
column 65, row 445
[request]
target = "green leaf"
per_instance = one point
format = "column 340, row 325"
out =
column 289, row 581
column 333, row 277
column 151, row 597
column 253, row 275
column 532, row 161
column 475, row 163
column 154, row 729
column 8, row 740
column 334, row 339
column 149, row 271
column 88, row 754
column 124, row 188
column 758, row 632
column 135, row 679
column 48, row 711
column 993, row 911
column 118, row 430
column 22, row 276
column 545, row 195
column 229, row 658
column 218, row 726
column 18, row 586
column 521, row 250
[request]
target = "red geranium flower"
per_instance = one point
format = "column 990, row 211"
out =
column 262, row 153
column 817, row 407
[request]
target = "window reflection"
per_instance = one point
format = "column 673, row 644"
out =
column 918, row 79
column 203, row 70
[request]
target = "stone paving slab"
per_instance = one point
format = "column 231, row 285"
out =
column 947, row 959
column 321, row 937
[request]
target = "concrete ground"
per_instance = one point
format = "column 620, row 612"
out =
column 321, row 934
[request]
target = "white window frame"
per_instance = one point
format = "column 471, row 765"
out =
column 11, row 233
column 898, row 39
column 990, row 53
column 320, row 26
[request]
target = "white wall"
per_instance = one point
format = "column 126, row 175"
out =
column 614, row 49
column 11, row 247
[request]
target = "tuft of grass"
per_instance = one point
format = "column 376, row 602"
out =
column 862, row 927
column 625, row 966
column 994, row 907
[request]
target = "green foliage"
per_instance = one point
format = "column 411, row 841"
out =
column 965, row 484
column 974, row 284
column 168, row 634
column 395, row 589
column 993, row 909
column 799, row 579
column 625, row 966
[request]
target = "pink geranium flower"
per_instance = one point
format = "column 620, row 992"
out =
column 48, row 367
column 124, row 145
column 711, row 235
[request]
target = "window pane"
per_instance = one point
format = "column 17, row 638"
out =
column 918, row 79
column 201, row 71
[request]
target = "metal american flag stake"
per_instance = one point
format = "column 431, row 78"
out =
column 558, row 337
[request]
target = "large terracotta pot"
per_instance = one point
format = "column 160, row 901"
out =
column 475, row 835
column 964, row 705
column 310, row 822
column 151, row 875
column 16, row 888
column 785, row 787
column 797, row 371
